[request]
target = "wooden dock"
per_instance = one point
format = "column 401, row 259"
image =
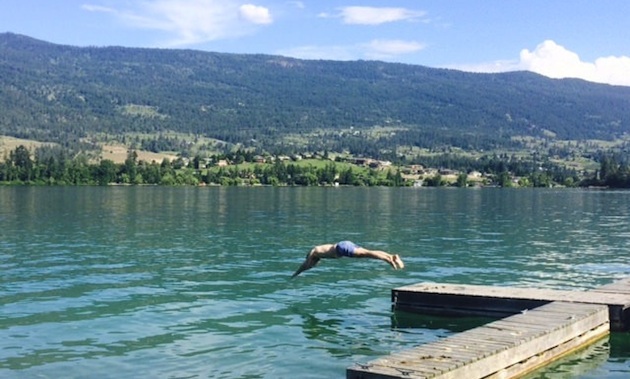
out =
column 506, row 348
column 537, row 327
column 493, row 301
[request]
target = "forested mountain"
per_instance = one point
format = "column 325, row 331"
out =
column 59, row 93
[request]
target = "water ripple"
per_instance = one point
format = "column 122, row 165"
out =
column 194, row 283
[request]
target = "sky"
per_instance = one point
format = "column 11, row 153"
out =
column 587, row 39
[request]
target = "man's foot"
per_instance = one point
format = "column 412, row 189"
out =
column 398, row 263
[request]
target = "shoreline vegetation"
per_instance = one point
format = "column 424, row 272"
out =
column 242, row 168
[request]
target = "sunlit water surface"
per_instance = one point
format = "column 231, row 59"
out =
column 158, row 282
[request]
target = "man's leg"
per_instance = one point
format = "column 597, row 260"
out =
column 393, row 260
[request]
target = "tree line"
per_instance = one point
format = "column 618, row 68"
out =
column 58, row 168
column 614, row 172
column 55, row 166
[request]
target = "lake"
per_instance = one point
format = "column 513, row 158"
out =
column 182, row 282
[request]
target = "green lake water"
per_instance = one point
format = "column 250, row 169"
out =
column 160, row 282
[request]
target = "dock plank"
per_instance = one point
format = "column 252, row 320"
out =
column 619, row 287
column 489, row 349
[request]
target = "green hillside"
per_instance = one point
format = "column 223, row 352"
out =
column 63, row 94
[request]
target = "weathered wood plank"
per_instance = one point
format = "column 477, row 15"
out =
column 489, row 349
column 620, row 287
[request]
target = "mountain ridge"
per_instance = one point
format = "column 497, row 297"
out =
column 59, row 93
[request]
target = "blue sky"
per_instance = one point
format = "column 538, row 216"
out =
column 588, row 39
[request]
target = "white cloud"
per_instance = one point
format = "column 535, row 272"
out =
column 297, row 4
column 191, row 21
column 374, row 15
column 613, row 70
column 378, row 49
column 555, row 61
column 97, row 8
column 337, row 53
column 390, row 48
column 255, row 14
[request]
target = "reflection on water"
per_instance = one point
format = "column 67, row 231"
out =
column 580, row 364
column 194, row 282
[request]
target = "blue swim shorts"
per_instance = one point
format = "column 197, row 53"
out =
column 345, row 249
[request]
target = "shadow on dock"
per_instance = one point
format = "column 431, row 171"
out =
column 409, row 320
